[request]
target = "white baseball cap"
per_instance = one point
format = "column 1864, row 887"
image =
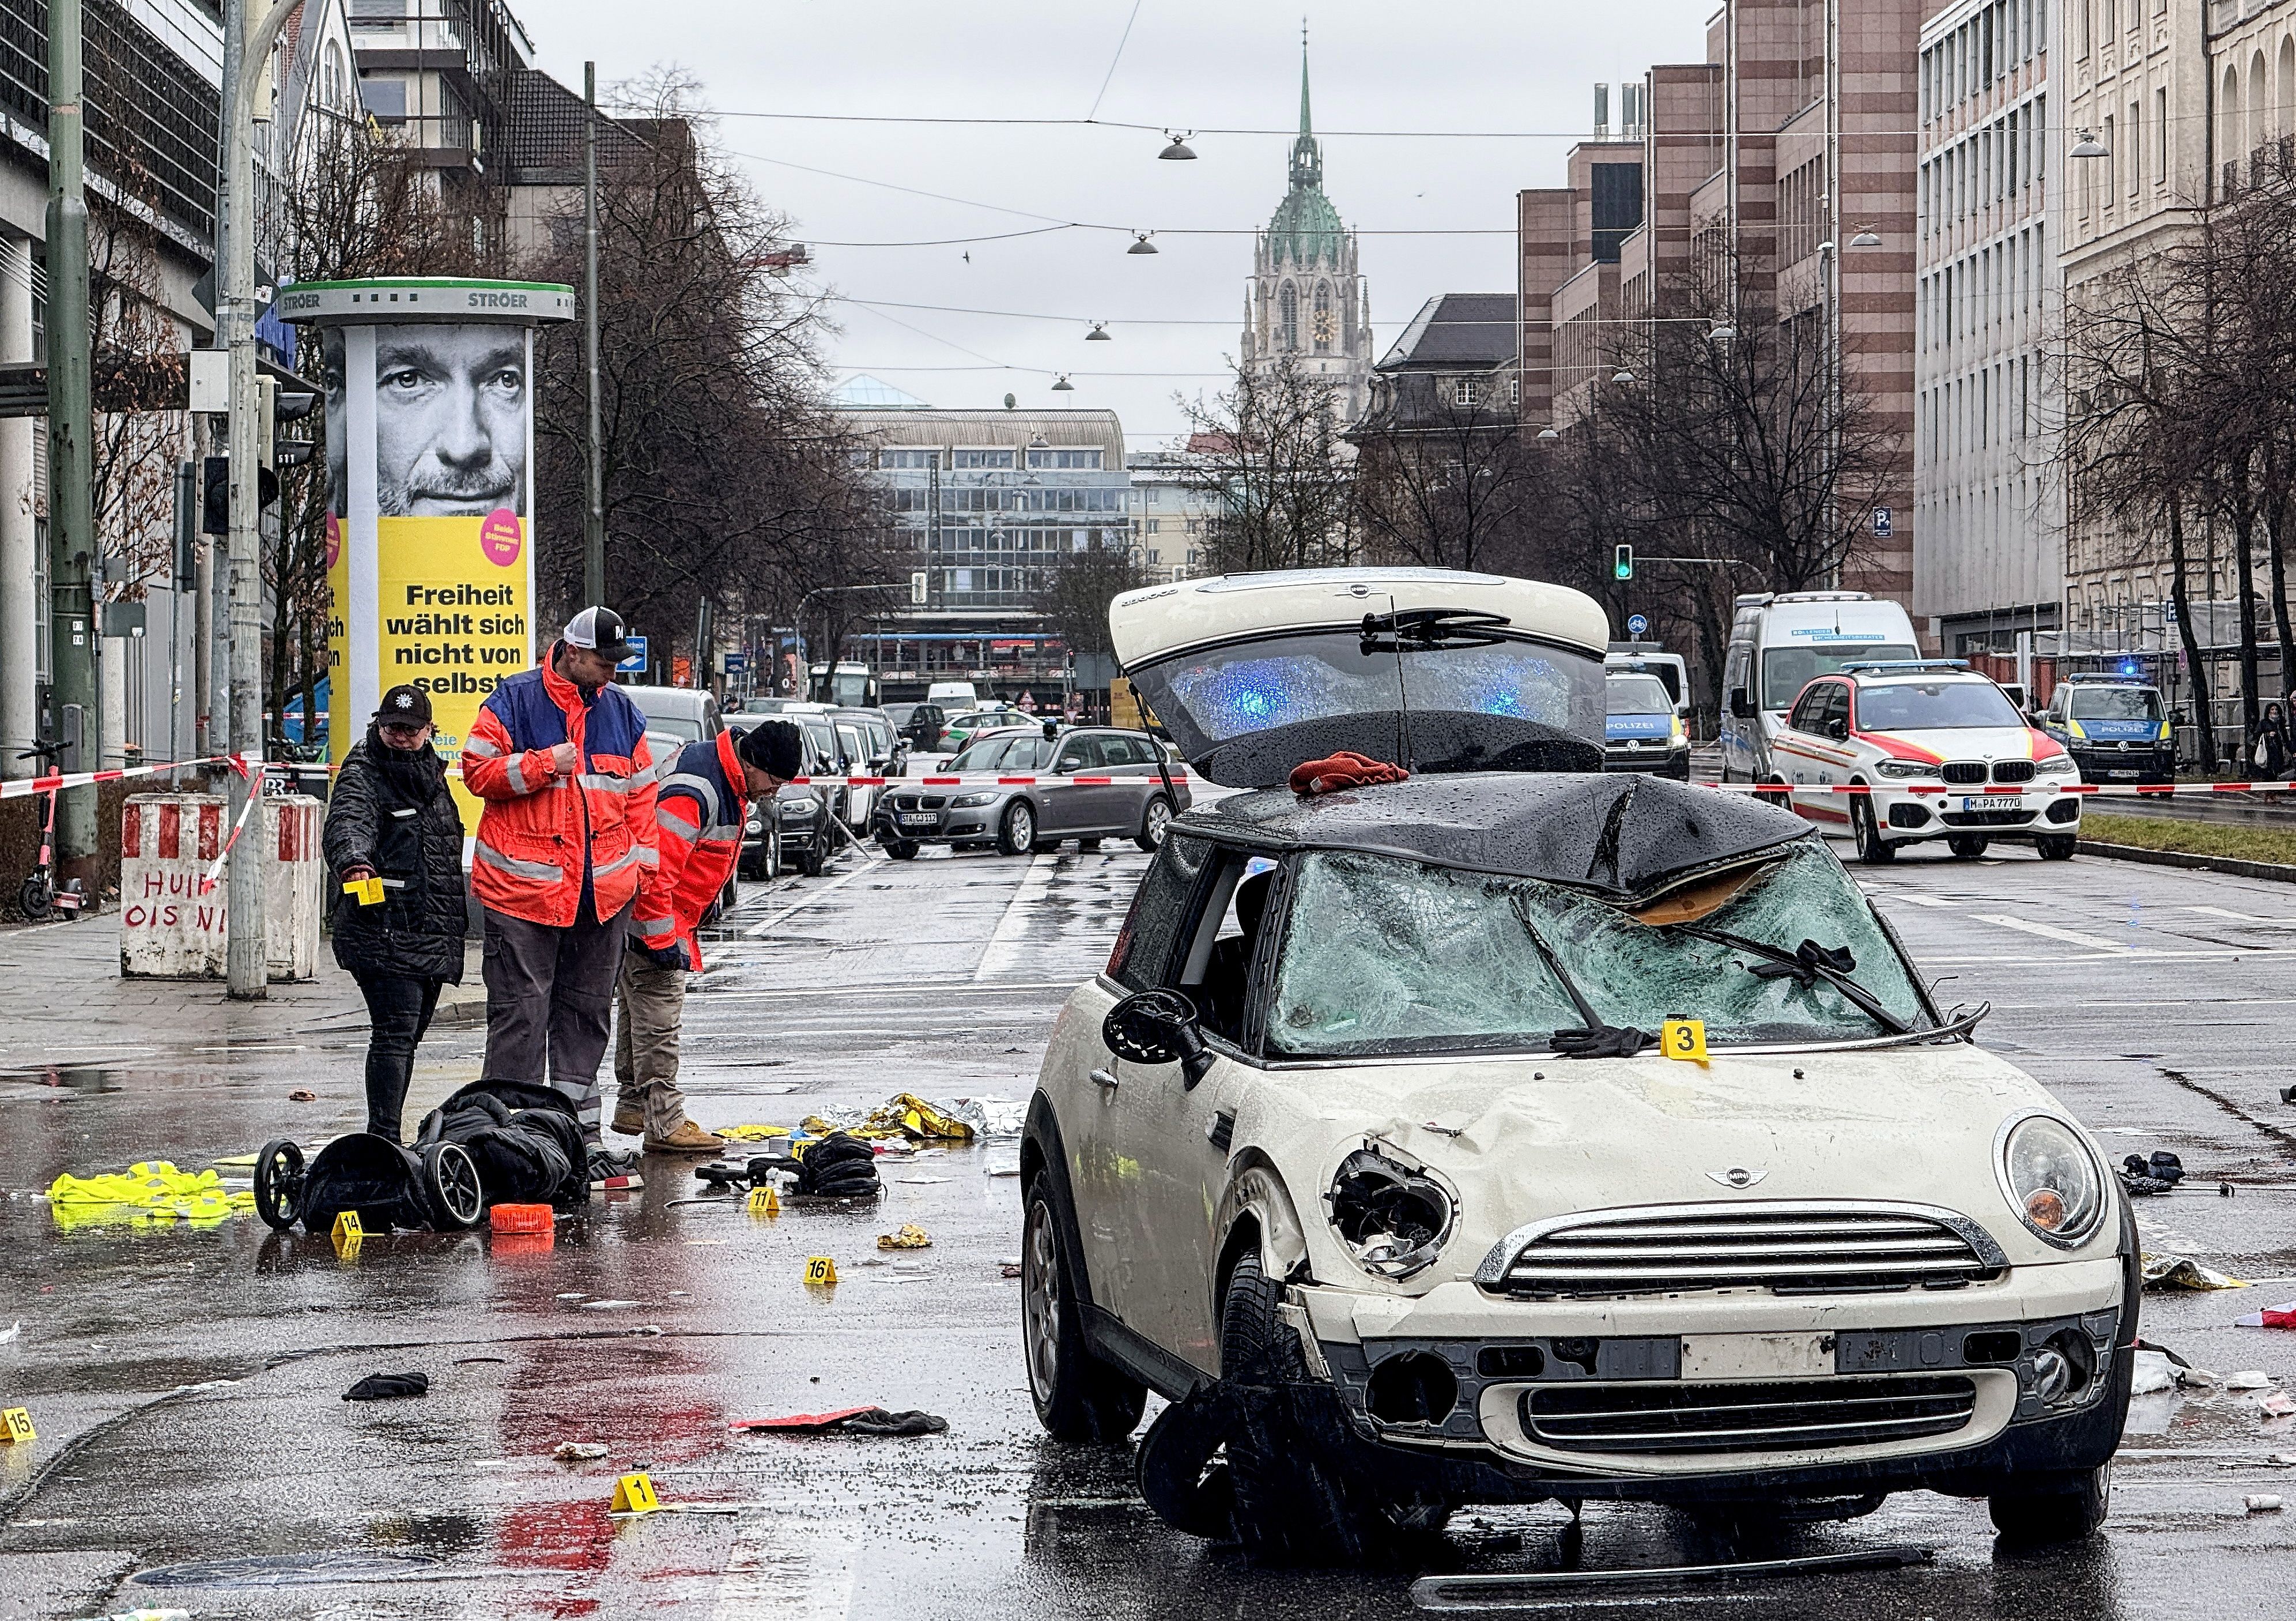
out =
column 600, row 630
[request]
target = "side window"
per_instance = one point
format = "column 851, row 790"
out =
column 1143, row 952
column 1215, row 968
column 1075, row 756
column 1837, row 707
column 1805, row 710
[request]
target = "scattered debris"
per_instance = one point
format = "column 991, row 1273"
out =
column 2184, row 1272
column 1008, row 1269
column 521, row 1218
column 2151, row 1374
column 2278, row 1405
column 147, row 1191
column 2249, row 1378
column 579, row 1451
column 2141, row 1176
column 388, row 1387
column 15, row 1331
column 910, row 1237
column 2263, row 1502
column 608, row 1305
column 2282, row 1316
column 302, row 1094
column 848, row 1421
column 991, row 1117
column 839, row 1166
column 907, row 1115
column 922, row 1181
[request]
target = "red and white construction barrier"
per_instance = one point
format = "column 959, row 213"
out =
column 23, row 787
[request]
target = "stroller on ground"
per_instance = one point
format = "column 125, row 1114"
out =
column 492, row 1142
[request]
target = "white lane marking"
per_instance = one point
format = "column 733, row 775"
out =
column 2051, row 932
column 2218, row 911
column 1918, row 899
column 767, row 1574
column 1004, row 944
column 774, row 921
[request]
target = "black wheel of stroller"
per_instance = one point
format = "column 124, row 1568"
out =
column 279, row 1184
column 450, row 1182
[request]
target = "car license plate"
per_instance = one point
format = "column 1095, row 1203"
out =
column 1992, row 802
column 913, row 820
column 1757, row 1356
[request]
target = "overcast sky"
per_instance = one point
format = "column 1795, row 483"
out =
column 1512, row 65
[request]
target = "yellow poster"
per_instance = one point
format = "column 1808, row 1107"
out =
column 453, row 618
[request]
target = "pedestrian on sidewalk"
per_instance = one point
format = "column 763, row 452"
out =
column 2268, row 750
column 565, row 842
column 392, row 817
column 702, row 801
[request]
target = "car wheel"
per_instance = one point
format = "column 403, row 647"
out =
column 1873, row 849
column 811, row 861
column 2058, row 846
column 279, row 1184
column 2053, row 1508
column 1968, row 846
column 451, row 1186
column 1016, row 835
column 1153, row 820
column 1078, row 1397
column 1774, row 793
column 1294, row 1506
column 902, row 849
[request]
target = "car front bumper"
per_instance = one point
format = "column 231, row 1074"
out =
column 1674, row 1398
column 2148, row 763
column 2040, row 810
column 1655, row 759
column 941, row 823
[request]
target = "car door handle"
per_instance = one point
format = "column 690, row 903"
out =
column 1104, row 1079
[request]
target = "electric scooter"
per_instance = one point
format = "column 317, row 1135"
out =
column 40, row 898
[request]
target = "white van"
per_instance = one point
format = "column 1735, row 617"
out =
column 953, row 695
column 1779, row 643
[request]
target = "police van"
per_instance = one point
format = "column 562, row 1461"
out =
column 1779, row 643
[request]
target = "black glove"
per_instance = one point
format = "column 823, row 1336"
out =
column 671, row 955
column 839, row 1166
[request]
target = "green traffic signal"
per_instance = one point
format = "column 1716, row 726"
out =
column 1622, row 564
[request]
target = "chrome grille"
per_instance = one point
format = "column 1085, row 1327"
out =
column 1794, row 1415
column 1962, row 770
column 2013, row 770
column 1788, row 1246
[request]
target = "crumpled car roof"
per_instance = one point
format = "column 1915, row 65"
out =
column 1627, row 839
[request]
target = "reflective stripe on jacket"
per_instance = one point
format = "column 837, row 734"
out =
column 701, row 803
column 539, row 829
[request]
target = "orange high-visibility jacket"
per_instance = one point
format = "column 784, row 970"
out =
column 702, row 801
column 540, row 828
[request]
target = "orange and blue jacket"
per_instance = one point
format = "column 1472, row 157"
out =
column 702, row 803
column 540, row 831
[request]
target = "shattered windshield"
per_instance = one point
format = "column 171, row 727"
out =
column 1382, row 955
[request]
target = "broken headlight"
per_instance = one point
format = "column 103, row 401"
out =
column 1393, row 1217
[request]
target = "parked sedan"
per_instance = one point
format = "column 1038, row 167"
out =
column 963, row 728
column 1021, row 817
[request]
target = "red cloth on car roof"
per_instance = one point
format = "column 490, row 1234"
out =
column 1342, row 771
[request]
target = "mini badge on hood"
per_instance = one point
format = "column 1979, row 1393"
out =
column 1736, row 1176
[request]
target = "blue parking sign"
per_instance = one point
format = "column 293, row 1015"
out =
column 1881, row 523
column 635, row 664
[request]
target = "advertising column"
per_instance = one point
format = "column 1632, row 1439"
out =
column 431, row 477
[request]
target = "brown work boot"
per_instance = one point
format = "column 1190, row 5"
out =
column 687, row 1139
column 629, row 1118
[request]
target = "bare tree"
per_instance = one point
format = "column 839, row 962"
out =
column 1076, row 590
column 1443, row 482
column 1270, row 450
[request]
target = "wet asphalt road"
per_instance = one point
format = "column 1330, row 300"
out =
column 2159, row 1004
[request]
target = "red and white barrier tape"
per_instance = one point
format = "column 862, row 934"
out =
column 1987, row 789
column 23, row 787
column 215, row 868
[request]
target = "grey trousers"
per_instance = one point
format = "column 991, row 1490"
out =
column 645, row 1043
column 550, row 1003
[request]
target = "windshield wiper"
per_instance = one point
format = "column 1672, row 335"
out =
column 1595, row 1040
column 1811, row 962
column 1421, row 629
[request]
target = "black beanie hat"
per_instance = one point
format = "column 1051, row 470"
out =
column 772, row 746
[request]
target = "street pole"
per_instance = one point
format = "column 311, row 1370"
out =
column 246, row 973
column 594, row 514
column 71, row 518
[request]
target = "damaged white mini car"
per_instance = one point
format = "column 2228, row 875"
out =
column 1384, row 1151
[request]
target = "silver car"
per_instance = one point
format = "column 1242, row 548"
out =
column 1018, row 818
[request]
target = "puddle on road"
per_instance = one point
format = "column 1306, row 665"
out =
column 85, row 1079
column 291, row 1570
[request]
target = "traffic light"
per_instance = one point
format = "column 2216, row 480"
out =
column 1622, row 563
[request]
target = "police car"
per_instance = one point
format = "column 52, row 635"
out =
column 2115, row 727
column 1941, row 753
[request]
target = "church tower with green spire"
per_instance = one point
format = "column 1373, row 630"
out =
column 1306, row 301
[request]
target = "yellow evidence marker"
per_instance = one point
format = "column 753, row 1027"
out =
column 347, row 1229
column 820, row 1268
column 16, row 1424
column 633, row 1495
column 1683, row 1038
column 368, row 891
column 764, row 1201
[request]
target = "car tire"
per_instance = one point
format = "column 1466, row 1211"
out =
column 1966, row 846
column 1016, row 831
column 1293, row 1507
column 1873, row 849
column 1154, row 817
column 902, row 849
column 2057, row 846
column 2053, row 1508
column 1077, row 1396
column 811, row 861
column 1774, row 794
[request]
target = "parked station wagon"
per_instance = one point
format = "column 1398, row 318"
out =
column 1502, row 1136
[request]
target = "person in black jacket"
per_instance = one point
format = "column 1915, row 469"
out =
column 391, row 818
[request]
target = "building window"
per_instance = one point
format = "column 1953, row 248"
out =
column 1466, row 391
column 1323, row 329
column 983, row 458
column 373, row 13
column 1287, row 311
column 908, row 458
column 2160, row 137
column 330, row 78
column 1615, row 194
column 1064, row 459
column 386, row 98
